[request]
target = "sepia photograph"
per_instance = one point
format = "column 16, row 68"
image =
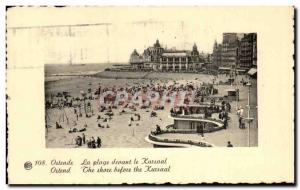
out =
column 144, row 94
column 172, row 89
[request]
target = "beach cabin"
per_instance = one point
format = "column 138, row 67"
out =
column 193, row 118
column 232, row 95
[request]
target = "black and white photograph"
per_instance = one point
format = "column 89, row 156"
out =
column 164, row 84
column 154, row 95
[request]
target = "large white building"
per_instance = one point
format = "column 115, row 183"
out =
column 160, row 59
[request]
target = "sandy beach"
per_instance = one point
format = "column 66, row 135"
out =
column 119, row 134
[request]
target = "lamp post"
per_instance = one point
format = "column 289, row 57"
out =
column 248, row 119
column 84, row 96
column 234, row 82
column 236, row 88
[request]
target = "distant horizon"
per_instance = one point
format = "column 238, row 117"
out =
column 104, row 35
column 113, row 44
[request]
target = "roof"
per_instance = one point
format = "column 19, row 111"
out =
column 252, row 71
column 175, row 54
column 120, row 65
column 224, row 68
column 230, row 90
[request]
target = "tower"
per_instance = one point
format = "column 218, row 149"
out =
column 195, row 52
column 195, row 55
column 195, row 47
column 215, row 45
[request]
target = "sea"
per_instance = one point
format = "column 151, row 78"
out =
column 75, row 69
column 55, row 72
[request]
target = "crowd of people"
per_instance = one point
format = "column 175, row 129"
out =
column 84, row 106
column 90, row 143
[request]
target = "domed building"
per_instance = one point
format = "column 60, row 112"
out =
column 181, row 60
column 151, row 55
column 167, row 60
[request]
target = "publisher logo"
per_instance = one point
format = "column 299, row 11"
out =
column 28, row 165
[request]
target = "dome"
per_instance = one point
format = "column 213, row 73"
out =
column 157, row 44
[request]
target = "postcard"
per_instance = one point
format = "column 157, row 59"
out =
column 150, row 95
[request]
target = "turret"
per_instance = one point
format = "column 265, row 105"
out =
column 215, row 44
column 195, row 47
column 135, row 57
column 134, row 53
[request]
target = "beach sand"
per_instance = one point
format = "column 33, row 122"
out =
column 120, row 134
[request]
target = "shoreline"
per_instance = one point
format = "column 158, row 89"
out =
column 130, row 75
column 147, row 75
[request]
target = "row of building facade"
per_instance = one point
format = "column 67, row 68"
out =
column 238, row 50
column 163, row 59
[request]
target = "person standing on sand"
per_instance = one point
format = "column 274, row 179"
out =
column 139, row 117
column 98, row 142
column 240, row 122
column 83, row 138
column 57, row 125
column 130, row 120
column 225, row 123
column 98, row 118
column 79, row 141
column 93, row 142
column 240, row 111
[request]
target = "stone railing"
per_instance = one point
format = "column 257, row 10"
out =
column 153, row 137
column 218, row 122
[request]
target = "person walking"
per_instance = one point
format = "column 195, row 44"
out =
column 228, row 106
column 99, row 142
column 83, row 138
column 240, row 122
column 225, row 123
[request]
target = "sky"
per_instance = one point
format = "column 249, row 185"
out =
column 110, row 34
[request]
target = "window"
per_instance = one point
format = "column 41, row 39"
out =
column 193, row 125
